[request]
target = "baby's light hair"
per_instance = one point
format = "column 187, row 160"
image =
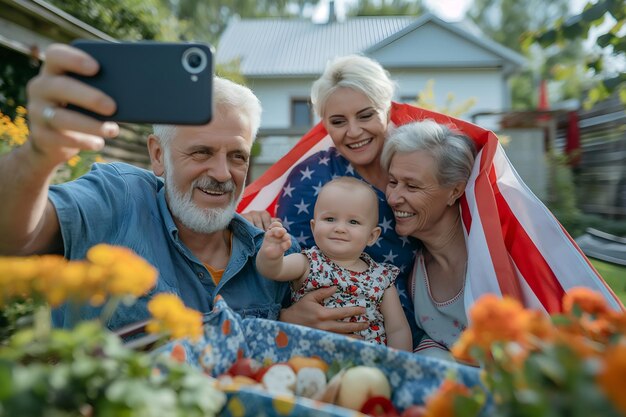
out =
column 350, row 183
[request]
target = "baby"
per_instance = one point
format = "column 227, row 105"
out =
column 345, row 221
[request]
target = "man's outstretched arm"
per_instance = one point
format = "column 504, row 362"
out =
column 28, row 221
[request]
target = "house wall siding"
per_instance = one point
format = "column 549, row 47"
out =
column 431, row 45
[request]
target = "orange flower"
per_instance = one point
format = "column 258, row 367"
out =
column 581, row 345
column 496, row 319
column 587, row 300
column 611, row 378
column 540, row 326
column 463, row 346
column 441, row 403
column 618, row 319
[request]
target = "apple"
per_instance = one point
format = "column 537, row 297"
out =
column 244, row 367
column 414, row 411
column 360, row 383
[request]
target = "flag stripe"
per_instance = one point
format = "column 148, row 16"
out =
column 490, row 218
column 534, row 268
column 547, row 237
column 263, row 197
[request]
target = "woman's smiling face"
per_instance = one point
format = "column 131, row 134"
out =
column 414, row 193
column 355, row 125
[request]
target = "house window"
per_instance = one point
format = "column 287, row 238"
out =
column 301, row 115
column 408, row 98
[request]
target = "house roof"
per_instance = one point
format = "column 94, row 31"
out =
column 299, row 47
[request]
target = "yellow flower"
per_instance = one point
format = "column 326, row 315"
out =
column 14, row 132
column 128, row 274
column 171, row 316
column 73, row 161
column 109, row 270
column 611, row 378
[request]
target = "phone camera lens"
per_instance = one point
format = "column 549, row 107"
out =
column 194, row 60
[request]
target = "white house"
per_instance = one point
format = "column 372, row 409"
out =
column 280, row 58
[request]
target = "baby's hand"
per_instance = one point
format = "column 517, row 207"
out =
column 276, row 241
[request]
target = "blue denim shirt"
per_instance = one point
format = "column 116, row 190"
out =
column 120, row 204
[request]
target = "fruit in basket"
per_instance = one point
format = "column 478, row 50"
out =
column 360, row 383
column 244, row 367
column 232, row 383
column 279, row 379
column 299, row 362
column 310, row 382
column 414, row 411
column 379, row 407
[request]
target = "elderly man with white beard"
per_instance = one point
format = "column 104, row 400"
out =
column 180, row 217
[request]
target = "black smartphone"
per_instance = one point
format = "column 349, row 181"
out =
column 153, row 82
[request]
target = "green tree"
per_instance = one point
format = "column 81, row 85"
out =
column 206, row 19
column 122, row 19
column 507, row 21
column 15, row 71
column 610, row 45
column 387, row 8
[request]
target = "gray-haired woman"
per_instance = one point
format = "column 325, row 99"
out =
column 429, row 166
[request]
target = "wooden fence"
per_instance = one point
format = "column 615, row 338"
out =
column 600, row 176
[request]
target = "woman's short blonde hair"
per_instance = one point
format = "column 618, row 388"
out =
column 360, row 73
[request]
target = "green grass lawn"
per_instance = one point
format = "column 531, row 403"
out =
column 614, row 275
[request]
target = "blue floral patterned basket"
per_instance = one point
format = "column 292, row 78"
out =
column 227, row 337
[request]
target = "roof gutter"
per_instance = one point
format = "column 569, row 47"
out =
column 29, row 26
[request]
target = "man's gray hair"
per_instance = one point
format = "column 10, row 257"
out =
column 226, row 95
column 454, row 152
column 360, row 73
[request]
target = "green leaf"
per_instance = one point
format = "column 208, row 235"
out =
column 611, row 83
column 551, row 368
column 595, row 12
column 622, row 95
column 573, row 30
column 619, row 45
column 605, row 40
column 528, row 39
column 336, row 367
column 547, row 38
column 616, row 8
column 561, row 320
column 467, row 406
column 6, row 380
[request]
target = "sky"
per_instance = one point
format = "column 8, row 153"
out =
column 449, row 10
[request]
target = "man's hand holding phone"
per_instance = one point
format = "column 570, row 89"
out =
column 82, row 90
column 57, row 133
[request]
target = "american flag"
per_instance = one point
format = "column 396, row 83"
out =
column 516, row 247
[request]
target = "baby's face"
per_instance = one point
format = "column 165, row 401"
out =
column 345, row 222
